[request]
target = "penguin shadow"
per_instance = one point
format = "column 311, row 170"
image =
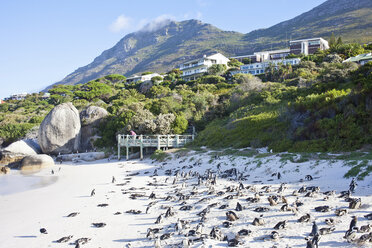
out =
column 26, row 236
column 127, row 240
column 83, row 196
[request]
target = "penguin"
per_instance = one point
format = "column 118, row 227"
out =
column 326, row 230
column 159, row 219
column 43, row 231
column 314, row 230
column 73, row 214
column 365, row 228
column 353, row 185
column 199, row 228
column 279, row 175
column 238, row 207
column 113, row 179
column 244, row 232
column 368, row 216
column 281, row 225
column 305, row 218
column 52, row 172
column 353, row 223
column 186, row 243
column 64, row 239
column 231, row 216
column 340, row 212
column 350, row 235
column 99, row 225
column 93, row 192
column 315, row 240
column 259, row 221
column 330, row 222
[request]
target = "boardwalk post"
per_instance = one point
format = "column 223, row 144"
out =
column 193, row 136
column 127, row 143
column 167, row 141
column 158, row 136
column 141, row 147
column 177, row 140
column 119, row 136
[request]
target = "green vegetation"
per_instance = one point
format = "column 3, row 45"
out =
column 319, row 105
column 160, row 156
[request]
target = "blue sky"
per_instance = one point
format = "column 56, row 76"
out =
column 41, row 41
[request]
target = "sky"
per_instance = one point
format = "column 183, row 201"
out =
column 42, row 41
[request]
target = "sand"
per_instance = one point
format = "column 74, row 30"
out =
column 44, row 200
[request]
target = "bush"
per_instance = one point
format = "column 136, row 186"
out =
column 210, row 79
column 180, row 124
column 160, row 156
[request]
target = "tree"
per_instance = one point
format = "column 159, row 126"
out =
column 180, row 124
column 210, row 79
column 116, row 78
column 217, row 69
column 247, row 61
column 332, row 40
column 234, row 63
column 156, row 79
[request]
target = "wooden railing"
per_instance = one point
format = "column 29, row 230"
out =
column 157, row 141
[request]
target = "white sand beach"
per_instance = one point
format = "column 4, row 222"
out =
column 44, row 200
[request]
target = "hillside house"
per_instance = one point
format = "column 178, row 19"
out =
column 361, row 59
column 18, row 97
column 308, row 46
column 142, row 78
column 193, row 69
column 259, row 68
column 264, row 56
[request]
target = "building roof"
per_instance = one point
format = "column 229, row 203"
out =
column 365, row 56
column 319, row 38
column 198, row 58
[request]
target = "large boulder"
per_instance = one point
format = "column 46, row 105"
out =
column 90, row 118
column 35, row 163
column 27, row 147
column 60, row 130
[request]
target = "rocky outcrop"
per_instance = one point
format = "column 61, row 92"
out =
column 60, row 130
column 90, row 118
column 35, row 163
column 145, row 87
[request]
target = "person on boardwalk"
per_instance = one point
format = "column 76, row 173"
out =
column 131, row 132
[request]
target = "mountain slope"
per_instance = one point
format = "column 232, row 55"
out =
column 163, row 49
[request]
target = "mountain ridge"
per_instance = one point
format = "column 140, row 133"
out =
column 164, row 48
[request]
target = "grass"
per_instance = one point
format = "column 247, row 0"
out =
column 160, row 156
column 359, row 170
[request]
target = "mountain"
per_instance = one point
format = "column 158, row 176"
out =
column 163, row 46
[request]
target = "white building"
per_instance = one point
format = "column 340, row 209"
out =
column 259, row 68
column 142, row 78
column 264, row 56
column 20, row 96
column 308, row 46
column 195, row 68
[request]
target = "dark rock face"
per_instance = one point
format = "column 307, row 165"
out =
column 60, row 130
column 35, row 163
column 90, row 118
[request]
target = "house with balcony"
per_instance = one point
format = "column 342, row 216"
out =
column 142, row 78
column 308, row 46
column 259, row 68
column 193, row 69
column 264, row 56
column 361, row 59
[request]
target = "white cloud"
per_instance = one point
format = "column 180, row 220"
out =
column 121, row 23
column 156, row 23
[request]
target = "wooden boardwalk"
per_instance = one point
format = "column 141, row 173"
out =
column 158, row 141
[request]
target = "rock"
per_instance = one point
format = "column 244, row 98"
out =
column 35, row 163
column 60, row 130
column 13, row 160
column 90, row 118
column 4, row 170
column 26, row 147
column 88, row 156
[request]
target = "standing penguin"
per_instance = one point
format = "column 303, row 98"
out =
column 113, row 179
column 93, row 192
column 353, row 185
column 314, row 230
column 353, row 223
